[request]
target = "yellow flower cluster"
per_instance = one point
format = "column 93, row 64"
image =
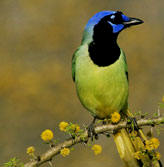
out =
column 152, row 144
column 63, row 125
column 47, row 135
column 65, row 152
column 30, row 150
column 137, row 155
column 75, row 128
column 115, row 117
column 97, row 149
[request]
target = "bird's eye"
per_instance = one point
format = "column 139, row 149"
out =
column 116, row 18
column 112, row 17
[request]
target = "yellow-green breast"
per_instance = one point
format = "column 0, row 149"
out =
column 102, row 90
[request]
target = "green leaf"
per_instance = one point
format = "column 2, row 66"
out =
column 14, row 162
column 155, row 115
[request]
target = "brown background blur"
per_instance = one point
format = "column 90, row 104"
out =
column 37, row 40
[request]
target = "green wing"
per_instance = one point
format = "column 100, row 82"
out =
column 126, row 66
column 74, row 64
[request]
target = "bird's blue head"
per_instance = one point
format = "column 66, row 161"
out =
column 115, row 21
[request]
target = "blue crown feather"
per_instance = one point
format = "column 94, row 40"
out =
column 97, row 17
column 88, row 31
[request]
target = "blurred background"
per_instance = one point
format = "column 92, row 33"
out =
column 37, row 40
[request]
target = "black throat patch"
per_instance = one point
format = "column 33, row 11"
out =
column 103, row 50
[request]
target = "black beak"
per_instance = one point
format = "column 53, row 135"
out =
column 132, row 21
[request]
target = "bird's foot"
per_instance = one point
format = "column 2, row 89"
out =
column 132, row 124
column 91, row 130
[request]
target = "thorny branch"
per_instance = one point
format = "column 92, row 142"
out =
column 49, row 154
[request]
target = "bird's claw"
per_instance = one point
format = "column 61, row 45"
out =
column 132, row 122
column 91, row 132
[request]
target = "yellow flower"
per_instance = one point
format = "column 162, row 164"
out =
column 157, row 155
column 63, row 125
column 115, row 117
column 47, row 135
column 65, row 152
column 152, row 144
column 97, row 149
column 30, row 150
column 75, row 128
column 163, row 99
column 149, row 145
column 155, row 142
column 137, row 155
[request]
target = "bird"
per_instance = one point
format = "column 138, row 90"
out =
column 100, row 72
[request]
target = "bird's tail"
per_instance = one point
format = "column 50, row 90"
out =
column 127, row 145
column 125, row 148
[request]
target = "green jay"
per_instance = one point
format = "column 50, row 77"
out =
column 100, row 72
